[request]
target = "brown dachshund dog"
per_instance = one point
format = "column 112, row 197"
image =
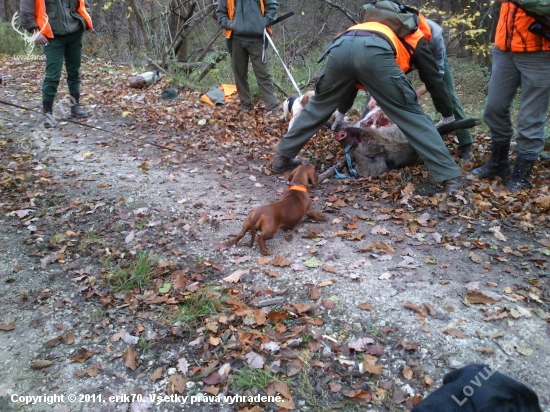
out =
column 282, row 214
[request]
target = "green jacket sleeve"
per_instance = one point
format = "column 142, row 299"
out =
column 223, row 18
column 428, row 72
column 541, row 7
column 271, row 9
column 28, row 18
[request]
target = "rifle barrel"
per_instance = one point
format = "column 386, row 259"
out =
column 283, row 17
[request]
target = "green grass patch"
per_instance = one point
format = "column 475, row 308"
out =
column 88, row 239
column 247, row 378
column 137, row 275
column 56, row 238
column 199, row 305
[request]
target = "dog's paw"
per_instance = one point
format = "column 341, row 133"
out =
column 323, row 217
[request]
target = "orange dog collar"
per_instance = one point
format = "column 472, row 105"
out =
column 299, row 188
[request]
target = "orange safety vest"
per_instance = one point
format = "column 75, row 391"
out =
column 424, row 27
column 512, row 34
column 42, row 20
column 231, row 14
column 404, row 49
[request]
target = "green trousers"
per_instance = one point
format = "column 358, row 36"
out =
column 243, row 50
column 464, row 136
column 528, row 72
column 68, row 47
column 370, row 61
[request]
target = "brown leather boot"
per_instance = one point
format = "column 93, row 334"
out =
column 280, row 164
column 452, row 185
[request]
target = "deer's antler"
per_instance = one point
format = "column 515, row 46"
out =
column 41, row 31
column 26, row 37
column 15, row 26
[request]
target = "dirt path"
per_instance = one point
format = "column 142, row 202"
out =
column 442, row 283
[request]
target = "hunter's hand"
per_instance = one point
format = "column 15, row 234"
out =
column 41, row 39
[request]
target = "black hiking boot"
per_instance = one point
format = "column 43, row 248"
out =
column 47, row 110
column 521, row 175
column 498, row 164
column 76, row 110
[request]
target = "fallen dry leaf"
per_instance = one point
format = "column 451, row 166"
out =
column 525, row 350
column 420, row 309
column 314, row 292
column 7, row 326
column 156, row 375
column 176, row 383
column 281, row 388
column 385, row 276
column 272, row 273
column 361, row 344
column 91, row 372
column 359, row 395
column 475, row 258
column 130, row 359
column 330, row 269
column 483, row 297
column 213, row 379
column 183, row 366
column 67, row 338
column 455, row 333
column 280, row 261
column 254, row 360
column 365, row 306
column 236, row 276
column 81, row 355
column 407, row 372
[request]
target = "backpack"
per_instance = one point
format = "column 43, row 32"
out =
column 403, row 20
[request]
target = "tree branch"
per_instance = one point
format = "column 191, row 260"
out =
column 199, row 14
column 350, row 15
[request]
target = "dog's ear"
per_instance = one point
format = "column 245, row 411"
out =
column 290, row 176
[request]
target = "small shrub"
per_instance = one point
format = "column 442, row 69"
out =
column 12, row 43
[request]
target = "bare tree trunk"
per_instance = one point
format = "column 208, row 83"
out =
column 210, row 43
column 8, row 10
column 141, row 25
